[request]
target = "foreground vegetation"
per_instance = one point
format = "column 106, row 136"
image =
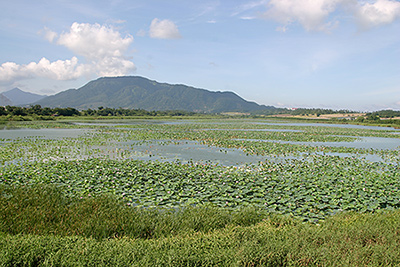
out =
column 80, row 196
column 40, row 227
column 307, row 190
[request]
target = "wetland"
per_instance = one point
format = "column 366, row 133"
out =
column 309, row 171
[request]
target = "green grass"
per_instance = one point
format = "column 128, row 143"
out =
column 45, row 210
column 41, row 227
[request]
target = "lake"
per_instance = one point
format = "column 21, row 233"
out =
column 191, row 150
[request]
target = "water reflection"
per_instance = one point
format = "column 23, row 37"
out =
column 41, row 133
column 191, row 151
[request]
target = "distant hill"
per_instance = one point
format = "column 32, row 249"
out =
column 17, row 97
column 4, row 101
column 135, row 92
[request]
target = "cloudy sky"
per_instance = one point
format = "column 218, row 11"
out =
column 340, row 54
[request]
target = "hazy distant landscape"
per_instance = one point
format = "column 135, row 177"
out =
column 117, row 95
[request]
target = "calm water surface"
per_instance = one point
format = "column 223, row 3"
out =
column 41, row 133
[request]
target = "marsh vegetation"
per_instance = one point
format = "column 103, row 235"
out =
column 121, row 185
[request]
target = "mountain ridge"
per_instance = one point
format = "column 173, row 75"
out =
column 136, row 92
column 18, row 97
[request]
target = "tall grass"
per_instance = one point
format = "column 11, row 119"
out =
column 41, row 227
column 42, row 209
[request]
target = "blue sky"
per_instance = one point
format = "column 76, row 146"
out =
column 339, row 54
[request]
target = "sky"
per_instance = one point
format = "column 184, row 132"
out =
column 332, row 54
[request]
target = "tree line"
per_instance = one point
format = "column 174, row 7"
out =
column 37, row 110
column 318, row 111
column 386, row 113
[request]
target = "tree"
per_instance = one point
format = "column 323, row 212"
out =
column 3, row 111
column 18, row 111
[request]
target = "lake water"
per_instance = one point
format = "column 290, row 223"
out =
column 378, row 143
column 195, row 151
column 136, row 122
column 192, row 150
column 41, row 133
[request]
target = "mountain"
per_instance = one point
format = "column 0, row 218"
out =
column 4, row 101
column 136, row 92
column 18, row 97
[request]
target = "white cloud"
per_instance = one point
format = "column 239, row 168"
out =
column 101, row 46
column 141, row 33
column 57, row 70
column 248, row 6
column 103, row 49
column 164, row 29
column 10, row 71
column 311, row 14
column 314, row 15
column 378, row 13
column 117, row 21
column 49, row 34
column 247, row 18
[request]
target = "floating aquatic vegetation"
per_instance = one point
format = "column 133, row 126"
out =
column 142, row 165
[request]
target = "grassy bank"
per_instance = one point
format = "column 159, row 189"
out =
column 41, row 227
